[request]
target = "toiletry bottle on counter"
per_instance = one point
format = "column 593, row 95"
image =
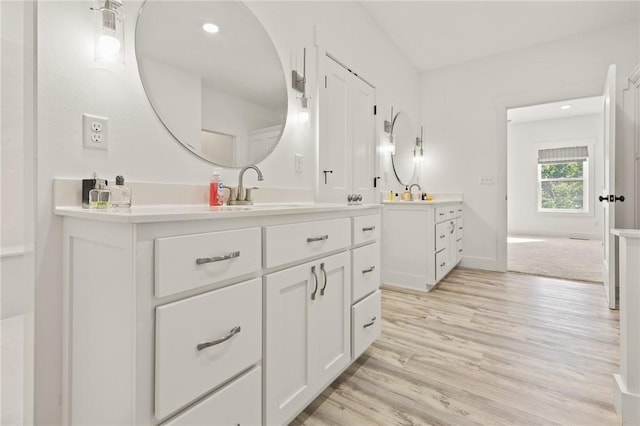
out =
column 406, row 195
column 391, row 196
column 216, row 195
column 120, row 194
column 99, row 196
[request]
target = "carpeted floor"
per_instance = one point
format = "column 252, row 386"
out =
column 567, row 258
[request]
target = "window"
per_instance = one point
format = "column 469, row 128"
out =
column 563, row 180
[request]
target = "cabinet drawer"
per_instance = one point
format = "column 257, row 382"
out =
column 442, row 213
column 452, row 211
column 365, row 271
column 460, row 250
column 442, row 235
column 366, row 228
column 288, row 243
column 459, row 228
column 366, row 323
column 442, row 265
column 185, row 367
column 238, row 403
column 190, row 261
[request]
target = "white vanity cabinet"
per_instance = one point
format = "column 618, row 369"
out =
column 421, row 242
column 197, row 317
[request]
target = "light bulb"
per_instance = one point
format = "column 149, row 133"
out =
column 211, row 28
column 109, row 44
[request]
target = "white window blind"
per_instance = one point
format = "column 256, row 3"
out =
column 563, row 155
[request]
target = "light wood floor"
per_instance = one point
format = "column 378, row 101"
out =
column 483, row 348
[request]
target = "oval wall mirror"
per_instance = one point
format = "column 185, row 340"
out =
column 213, row 77
column 404, row 140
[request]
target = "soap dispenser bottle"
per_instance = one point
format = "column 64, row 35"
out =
column 99, row 196
column 216, row 194
column 120, row 194
column 406, row 196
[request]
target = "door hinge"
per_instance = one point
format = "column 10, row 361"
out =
column 375, row 109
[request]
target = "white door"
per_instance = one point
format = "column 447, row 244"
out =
column 364, row 152
column 609, row 187
column 330, row 320
column 347, row 135
column 286, row 357
column 335, row 134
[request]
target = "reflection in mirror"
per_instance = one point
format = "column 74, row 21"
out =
column 221, row 92
column 404, row 139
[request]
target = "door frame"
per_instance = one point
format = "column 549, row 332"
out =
column 501, row 105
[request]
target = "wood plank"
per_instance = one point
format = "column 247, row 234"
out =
column 482, row 348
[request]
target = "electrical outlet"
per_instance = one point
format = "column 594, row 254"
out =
column 299, row 163
column 487, row 180
column 95, row 132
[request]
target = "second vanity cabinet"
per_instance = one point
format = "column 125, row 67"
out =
column 201, row 318
column 422, row 242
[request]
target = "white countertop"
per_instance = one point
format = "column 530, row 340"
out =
column 175, row 212
column 421, row 203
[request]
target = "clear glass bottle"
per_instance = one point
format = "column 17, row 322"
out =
column 99, row 196
column 120, row 194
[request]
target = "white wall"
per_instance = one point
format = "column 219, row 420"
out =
column 70, row 84
column 524, row 140
column 464, row 111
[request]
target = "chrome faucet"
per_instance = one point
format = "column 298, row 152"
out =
column 243, row 196
column 411, row 186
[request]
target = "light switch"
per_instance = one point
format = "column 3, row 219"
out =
column 299, row 163
column 487, row 180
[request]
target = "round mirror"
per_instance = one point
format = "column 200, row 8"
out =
column 404, row 141
column 214, row 77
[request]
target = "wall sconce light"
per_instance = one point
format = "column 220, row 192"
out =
column 299, row 83
column 109, row 38
column 388, row 128
column 418, row 150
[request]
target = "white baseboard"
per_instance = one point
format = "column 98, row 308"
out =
column 484, row 263
column 559, row 234
column 627, row 404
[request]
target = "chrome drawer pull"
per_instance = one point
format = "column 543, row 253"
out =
column 442, row 264
column 459, row 250
column 235, row 330
column 441, row 236
column 369, row 228
column 312, row 239
column 202, row 260
column 369, row 324
column 324, row 287
column 315, row 277
column 365, row 271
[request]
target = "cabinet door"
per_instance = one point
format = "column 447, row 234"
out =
column 287, row 341
column 452, row 245
column 330, row 320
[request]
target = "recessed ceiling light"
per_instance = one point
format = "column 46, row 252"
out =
column 210, row 28
column 565, row 107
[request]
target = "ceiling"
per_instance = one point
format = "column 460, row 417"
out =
column 434, row 34
column 582, row 106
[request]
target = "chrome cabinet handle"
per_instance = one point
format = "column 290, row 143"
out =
column 315, row 277
column 324, row 286
column 442, row 264
column 369, row 228
column 312, row 239
column 202, row 260
column 442, row 236
column 371, row 269
column 459, row 250
column 235, row 330
column 370, row 323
